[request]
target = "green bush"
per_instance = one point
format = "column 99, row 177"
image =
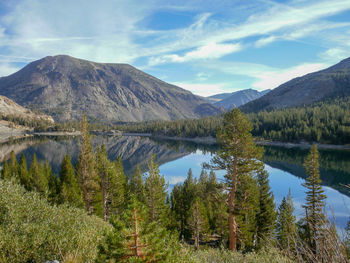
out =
column 31, row 230
column 226, row 256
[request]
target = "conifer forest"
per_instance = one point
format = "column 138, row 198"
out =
column 92, row 212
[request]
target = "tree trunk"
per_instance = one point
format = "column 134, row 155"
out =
column 104, row 202
column 231, row 206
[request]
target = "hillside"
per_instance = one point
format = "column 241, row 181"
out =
column 10, row 108
column 331, row 82
column 66, row 87
column 238, row 98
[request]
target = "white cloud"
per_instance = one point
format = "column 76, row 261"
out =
column 265, row 41
column 203, row 89
column 272, row 79
column 334, row 55
column 266, row 77
column 209, row 51
column 7, row 69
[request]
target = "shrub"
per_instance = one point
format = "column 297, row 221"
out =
column 31, row 230
column 227, row 256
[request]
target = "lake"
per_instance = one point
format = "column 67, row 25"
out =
column 177, row 157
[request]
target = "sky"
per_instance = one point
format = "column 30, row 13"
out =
column 207, row 47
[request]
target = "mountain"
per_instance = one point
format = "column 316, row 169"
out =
column 325, row 84
column 66, row 87
column 235, row 99
column 10, row 108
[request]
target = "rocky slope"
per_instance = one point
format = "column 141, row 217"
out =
column 10, row 108
column 66, row 87
column 325, row 84
column 238, row 98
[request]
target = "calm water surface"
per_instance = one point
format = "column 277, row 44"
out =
column 175, row 159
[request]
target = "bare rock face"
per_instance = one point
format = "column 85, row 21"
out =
column 65, row 87
column 329, row 83
column 9, row 107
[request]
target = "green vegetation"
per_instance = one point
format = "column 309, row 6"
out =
column 92, row 213
column 31, row 230
column 324, row 122
column 239, row 156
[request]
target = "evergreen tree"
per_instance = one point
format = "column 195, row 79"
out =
column 88, row 178
column 69, row 190
column 286, row 228
column 239, row 157
column 38, row 179
column 266, row 216
column 122, row 192
column 198, row 221
column 155, row 189
column 246, row 210
column 314, row 206
column 24, row 174
column 13, row 167
column 178, row 209
column 137, row 186
column 5, row 172
column 52, row 183
column 133, row 239
column 112, row 184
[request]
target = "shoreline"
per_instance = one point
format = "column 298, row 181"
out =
column 5, row 137
column 303, row 145
column 204, row 140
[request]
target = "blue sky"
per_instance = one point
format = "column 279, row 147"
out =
column 207, row 47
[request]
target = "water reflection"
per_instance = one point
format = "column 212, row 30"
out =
column 176, row 157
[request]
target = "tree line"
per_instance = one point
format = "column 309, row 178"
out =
column 150, row 225
column 324, row 122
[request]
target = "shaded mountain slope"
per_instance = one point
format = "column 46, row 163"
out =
column 331, row 82
column 65, row 87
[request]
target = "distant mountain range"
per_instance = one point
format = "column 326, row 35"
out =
column 325, row 84
column 235, row 99
column 65, row 87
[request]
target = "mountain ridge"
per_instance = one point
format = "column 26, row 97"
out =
column 333, row 81
column 238, row 98
column 65, row 87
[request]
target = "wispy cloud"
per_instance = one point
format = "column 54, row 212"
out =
column 116, row 31
column 209, row 51
column 266, row 77
column 203, row 89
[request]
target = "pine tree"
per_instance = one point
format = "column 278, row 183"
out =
column 156, row 192
column 70, row 192
column 133, row 239
column 137, row 186
column 112, row 183
column 198, row 221
column 285, row 226
column 38, row 179
column 239, row 157
column 122, row 192
column 88, row 178
column 5, row 172
column 13, row 167
column 315, row 218
column 24, row 174
column 266, row 216
column 52, row 183
column 178, row 209
column 246, row 210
